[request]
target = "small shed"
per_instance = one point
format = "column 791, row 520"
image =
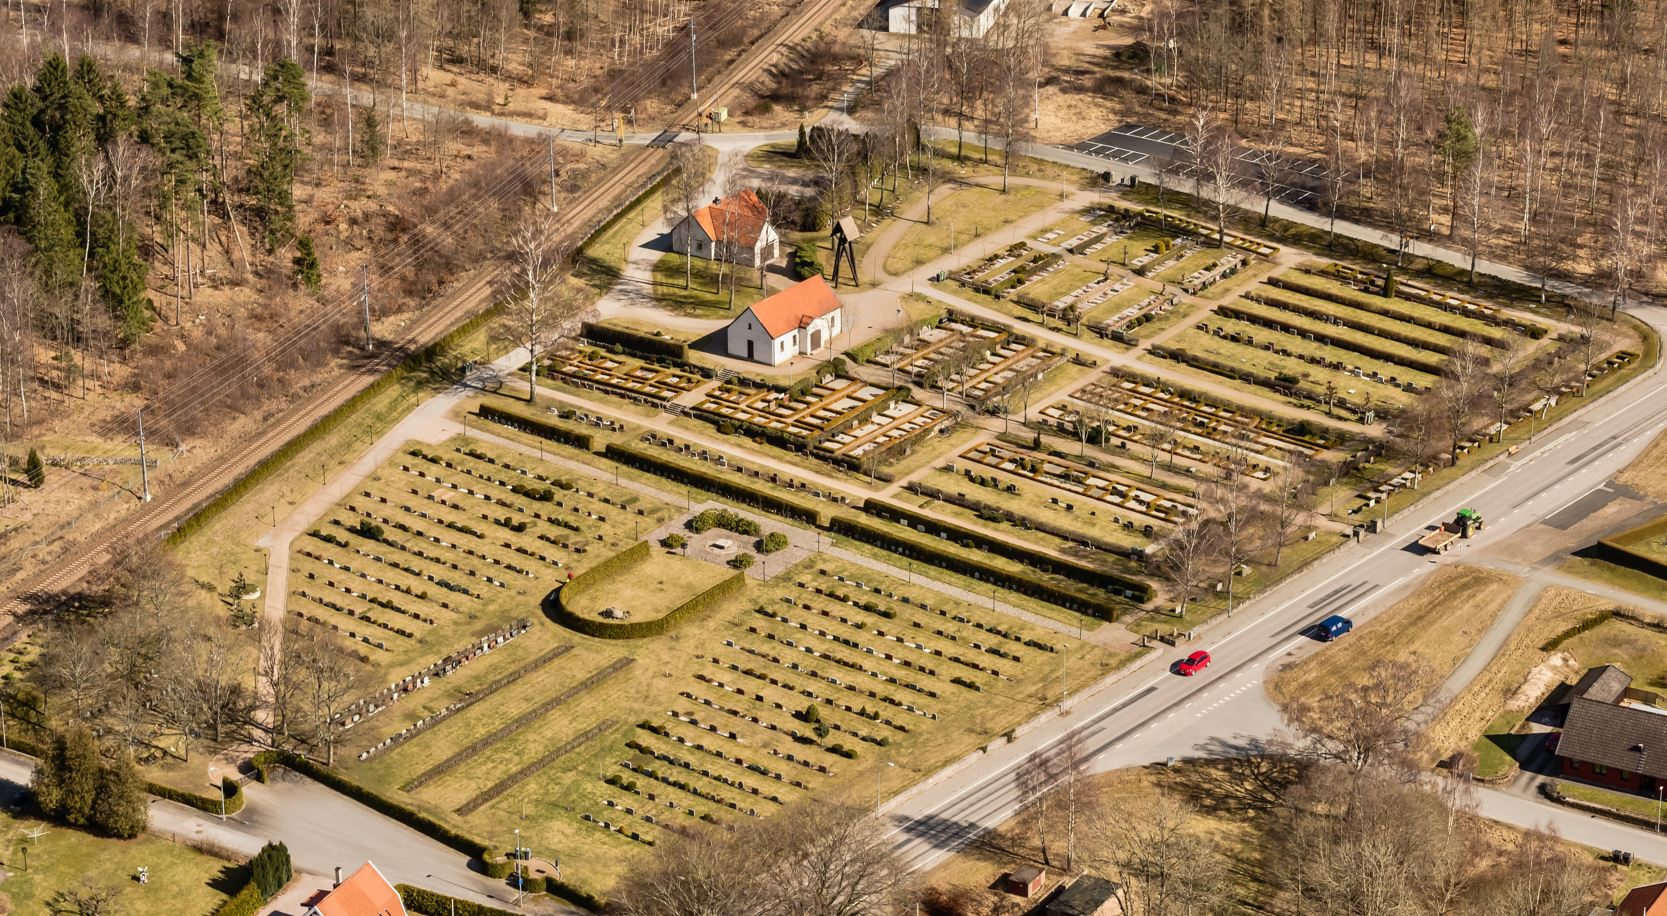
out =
column 1024, row 882
column 1089, row 895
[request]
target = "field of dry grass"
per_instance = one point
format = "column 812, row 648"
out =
column 1471, row 711
column 1433, row 629
column 1648, row 472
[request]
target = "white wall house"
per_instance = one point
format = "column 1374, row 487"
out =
column 973, row 18
column 740, row 222
column 798, row 321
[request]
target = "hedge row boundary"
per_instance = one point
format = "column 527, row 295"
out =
column 1131, row 589
column 1318, row 291
column 557, row 608
column 1273, row 298
column 1278, row 424
column 725, row 486
column 534, row 426
column 645, row 345
column 211, row 509
column 425, row 902
column 1618, row 550
column 229, row 788
column 957, row 560
column 1352, row 345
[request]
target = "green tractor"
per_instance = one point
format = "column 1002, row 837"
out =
column 1468, row 521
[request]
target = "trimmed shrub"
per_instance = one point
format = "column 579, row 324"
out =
column 955, row 559
column 633, row 342
column 772, row 542
column 1590, row 623
column 434, row 903
column 270, row 869
column 674, row 541
column 805, row 263
column 229, row 789
column 603, row 629
column 246, row 902
column 1031, row 557
column 722, row 518
column 742, row 561
column 534, row 426
column 728, row 487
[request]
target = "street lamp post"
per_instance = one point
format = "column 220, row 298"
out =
column 211, row 781
column 518, row 882
column 879, row 774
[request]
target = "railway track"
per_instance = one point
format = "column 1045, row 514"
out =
column 582, row 216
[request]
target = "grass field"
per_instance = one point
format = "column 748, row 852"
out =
column 1298, row 346
column 1321, row 330
column 1496, row 748
column 654, row 587
column 1648, row 472
column 449, row 565
column 1060, row 283
column 1313, row 377
column 1425, row 630
column 1198, row 260
column 182, row 880
column 708, row 295
column 963, row 216
column 723, row 693
column 1637, row 650
column 1469, row 714
column 1625, row 802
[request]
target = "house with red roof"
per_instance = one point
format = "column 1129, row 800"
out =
column 1644, row 900
column 739, row 223
column 365, row 893
column 798, row 321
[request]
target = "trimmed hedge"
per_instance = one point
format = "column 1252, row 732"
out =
column 270, row 465
column 640, row 344
column 726, row 486
column 1340, row 341
column 434, row 903
column 863, row 352
column 1591, row 622
column 960, row 535
column 229, row 787
column 956, row 559
column 602, row 629
column 534, row 426
column 1618, row 550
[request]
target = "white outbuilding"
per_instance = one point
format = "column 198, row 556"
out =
column 798, row 321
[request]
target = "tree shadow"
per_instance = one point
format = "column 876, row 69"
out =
column 1239, row 776
column 230, row 879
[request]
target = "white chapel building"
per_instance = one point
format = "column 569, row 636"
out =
column 798, row 321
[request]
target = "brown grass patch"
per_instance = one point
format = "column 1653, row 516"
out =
column 1432, row 630
column 1648, row 472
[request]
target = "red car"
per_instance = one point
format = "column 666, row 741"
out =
column 1192, row 664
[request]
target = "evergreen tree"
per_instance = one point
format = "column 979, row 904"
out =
column 121, row 276
column 270, row 868
column 114, row 116
column 64, row 119
column 66, row 780
column 120, row 808
column 307, row 271
column 803, row 144
column 48, row 225
column 35, row 469
column 276, row 143
column 373, row 140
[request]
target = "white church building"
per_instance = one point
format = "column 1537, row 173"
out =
column 798, row 321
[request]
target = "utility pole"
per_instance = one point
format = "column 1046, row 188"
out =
column 552, row 158
column 694, row 86
column 364, row 300
column 144, row 465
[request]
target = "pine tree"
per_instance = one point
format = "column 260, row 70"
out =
column 121, row 809
column 274, row 111
column 803, row 145
column 47, row 224
column 66, row 780
column 373, row 140
column 307, row 271
column 35, row 469
column 65, row 120
column 121, row 276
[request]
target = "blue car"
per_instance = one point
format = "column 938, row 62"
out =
column 1332, row 627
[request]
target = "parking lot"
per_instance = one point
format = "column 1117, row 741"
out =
column 1300, row 181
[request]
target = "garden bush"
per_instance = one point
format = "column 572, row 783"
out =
column 805, row 262
column 742, row 561
column 772, row 542
column 433, row 903
column 722, row 518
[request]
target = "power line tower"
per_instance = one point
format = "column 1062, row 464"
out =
column 694, row 85
column 364, row 301
column 144, row 463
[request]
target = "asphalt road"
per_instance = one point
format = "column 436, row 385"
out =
column 1151, row 714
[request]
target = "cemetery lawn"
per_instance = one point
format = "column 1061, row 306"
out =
column 966, row 214
column 707, row 295
column 182, row 880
